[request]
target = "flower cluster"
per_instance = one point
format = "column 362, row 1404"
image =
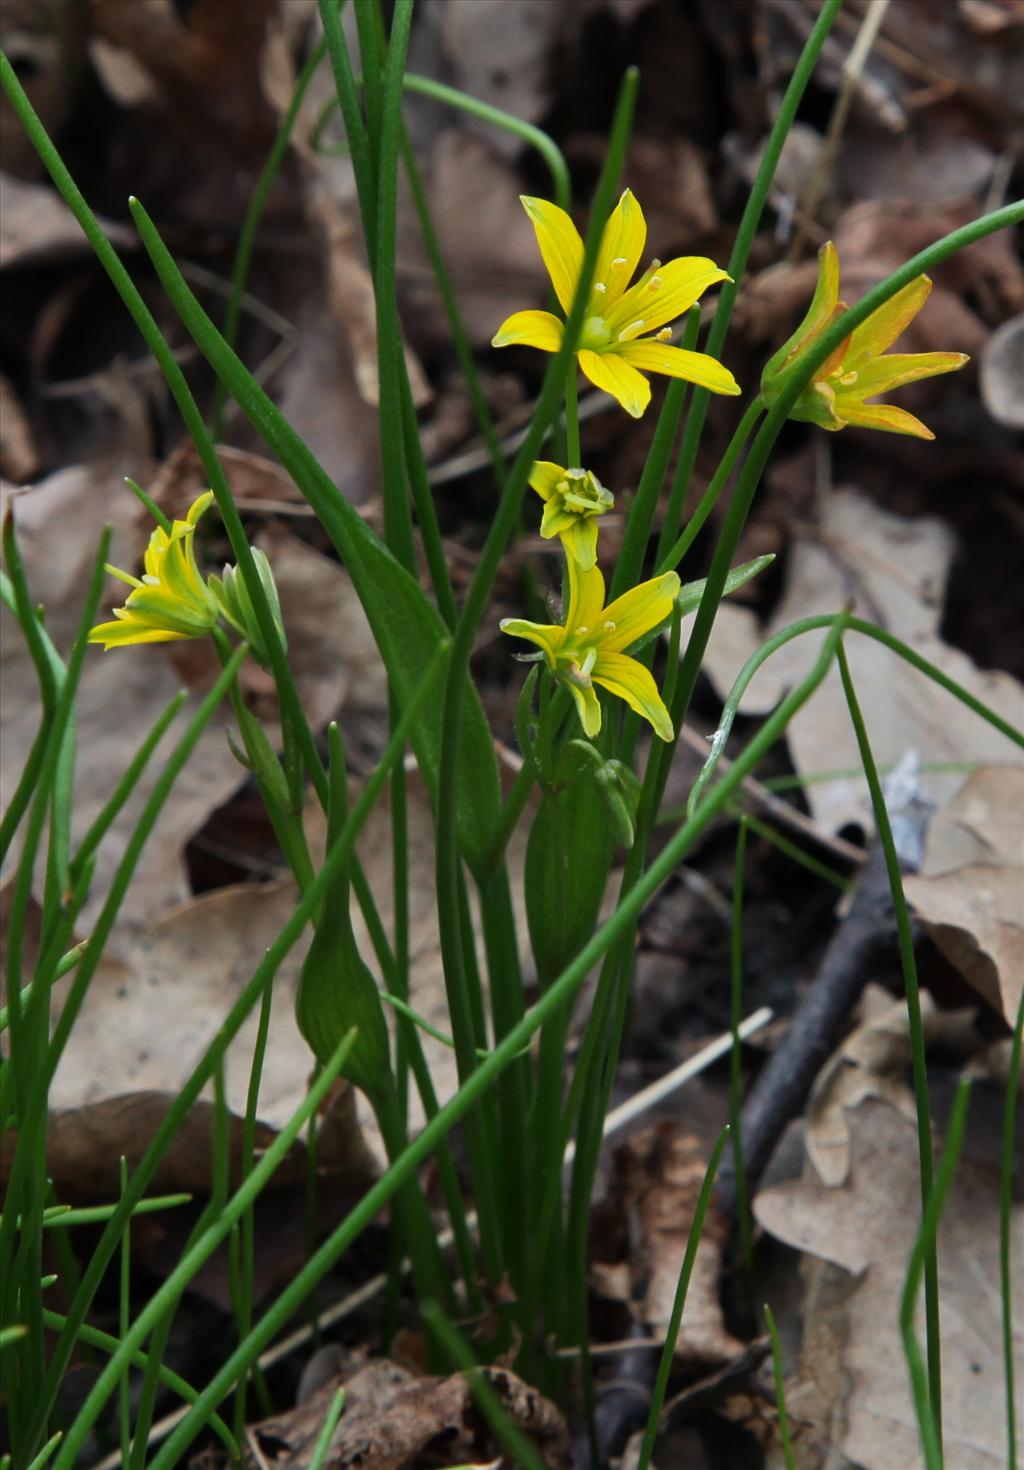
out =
column 171, row 600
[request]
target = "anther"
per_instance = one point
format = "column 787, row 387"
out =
column 620, row 260
column 609, row 627
column 631, row 330
column 665, row 335
column 600, row 286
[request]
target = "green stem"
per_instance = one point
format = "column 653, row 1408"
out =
column 675, row 1321
column 466, row 1099
column 780, row 1389
column 1005, row 1232
column 675, row 553
column 927, row 1407
column 253, row 216
column 736, row 1059
column 572, row 421
column 745, row 236
column 908, row 962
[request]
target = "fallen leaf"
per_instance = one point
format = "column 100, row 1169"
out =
column 874, row 1061
column 866, row 1227
column 970, row 892
column 894, row 570
column 658, row 1177
column 391, row 1417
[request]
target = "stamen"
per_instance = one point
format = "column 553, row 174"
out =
column 588, row 663
column 632, row 330
column 665, row 335
column 619, row 262
column 581, row 631
column 655, row 283
column 848, row 379
column 600, row 286
column 609, row 627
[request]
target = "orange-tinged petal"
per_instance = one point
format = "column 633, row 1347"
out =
column 883, row 326
column 639, row 610
column 666, row 295
column 618, row 256
column 883, row 416
column 529, row 329
column 677, row 362
column 545, row 477
column 560, row 246
column 628, row 679
column 609, row 372
column 586, row 598
column 896, row 369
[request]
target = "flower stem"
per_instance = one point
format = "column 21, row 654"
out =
column 572, row 420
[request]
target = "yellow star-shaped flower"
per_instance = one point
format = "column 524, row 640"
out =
column 616, row 345
column 589, row 648
column 862, row 366
column 171, row 600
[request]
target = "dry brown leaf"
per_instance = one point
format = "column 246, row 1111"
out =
column 1002, row 374
column 867, row 1227
column 19, row 457
column 391, row 1417
column 970, row 892
column 659, row 1173
column 895, row 571
column 873, row 1062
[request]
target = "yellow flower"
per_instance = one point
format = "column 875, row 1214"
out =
column 861, row 367
column 589, row 648
column 612, row 349
column 172, row 600
column 573, row 501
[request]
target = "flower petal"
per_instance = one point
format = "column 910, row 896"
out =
column 677, row 362
column 529, row 329
column 199, row 507
column 882, row 416
column 560, row 246
column 679, row 284
column 608, row 371
column 548, row 636
column 820, row 314
column 623, row 240
column 556, row 520
column 628, row 679
column 580, row 541
column 883, row 326
column 120, row 634
column 588, row 706
column 545, row 477
column 895, row 369
column 586, row 598
column 639, row 610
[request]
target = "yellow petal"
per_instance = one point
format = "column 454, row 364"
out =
column 545, row 635
column 639, row 610
column 623, row 242
column 120, row 635
column 586, row 598
column 677, row 362
column 560, row 246
column 588, row 706
column 608, row 371
column 666, row 295
column 580, row 541
column 530, row 329
column 556, row 520
column 545, row 477
column 630, row 680
column 883, row 326
column 820, row 315
column 895, row 369
column 882, row 416
column 199, row 507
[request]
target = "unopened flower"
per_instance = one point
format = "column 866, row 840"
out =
column 573, row 499
column 625, row 331
column 861, row 367
column 588, row 648
column 171, row 600
column 234, row 602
